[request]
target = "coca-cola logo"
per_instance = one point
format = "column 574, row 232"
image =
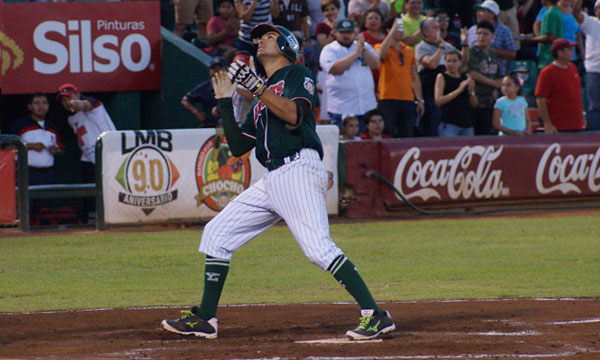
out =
column 558, row 173
column 469, row 174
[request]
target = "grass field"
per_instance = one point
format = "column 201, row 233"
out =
column 401, row 260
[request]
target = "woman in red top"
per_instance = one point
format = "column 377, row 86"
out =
column 373, row 27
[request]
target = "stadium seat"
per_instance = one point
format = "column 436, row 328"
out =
column 527, row 71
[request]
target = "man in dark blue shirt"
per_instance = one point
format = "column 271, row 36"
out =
column 204, row 94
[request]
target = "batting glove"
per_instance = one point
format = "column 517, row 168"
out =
column 246, row 76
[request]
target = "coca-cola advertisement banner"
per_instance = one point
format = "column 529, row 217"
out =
column 492, row 168
column 98, row 46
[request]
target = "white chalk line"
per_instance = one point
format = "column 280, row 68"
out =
column 459, row 356
column 571, row 322
column 304, row 303
column 338, row 341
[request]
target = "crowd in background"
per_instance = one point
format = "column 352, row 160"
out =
column 423, row 67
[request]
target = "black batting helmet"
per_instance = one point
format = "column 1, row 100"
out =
column 286, row 41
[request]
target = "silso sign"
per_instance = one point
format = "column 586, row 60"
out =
column 99, row 46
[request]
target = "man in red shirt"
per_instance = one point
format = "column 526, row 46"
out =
column 558, row 91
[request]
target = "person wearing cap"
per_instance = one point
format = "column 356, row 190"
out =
column 558, row 91
column 552, row 28
column 281, row 127
column 400, row 94
column 503, row 43
column 347, row 63
column 591, row 28
column 484, row 70
column 88, row 119
column 204, row 94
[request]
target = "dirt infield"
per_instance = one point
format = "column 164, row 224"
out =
column 480, row 329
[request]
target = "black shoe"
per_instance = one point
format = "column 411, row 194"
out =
column 191, row 324
column 371, row 325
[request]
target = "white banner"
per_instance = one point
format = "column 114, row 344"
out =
column 154, row 176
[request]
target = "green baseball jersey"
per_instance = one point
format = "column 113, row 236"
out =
column 273, row 139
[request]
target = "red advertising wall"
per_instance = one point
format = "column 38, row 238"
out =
column 8, row 204
column 482, row 169
column 99, row 46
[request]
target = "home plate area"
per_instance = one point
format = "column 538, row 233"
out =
column 454, row 329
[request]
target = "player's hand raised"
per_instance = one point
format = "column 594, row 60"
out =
column 246, row 76
column 223, row 87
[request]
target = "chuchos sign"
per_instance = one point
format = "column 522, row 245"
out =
column 100, row 46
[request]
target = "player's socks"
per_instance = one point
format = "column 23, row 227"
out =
column 345, row 272
column 215, row 273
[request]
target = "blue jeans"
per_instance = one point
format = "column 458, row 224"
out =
column 449, row 130
column 593, row 96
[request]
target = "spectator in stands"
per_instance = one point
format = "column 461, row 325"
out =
column 503, row 43
column 591, row 29
column 373, row 25
column 252, row 13
column 551, row 28
column 399, row 84
column 188, row 11
column 558, row 91
column 357, row 9
column 375, row 126
column 42, row 139
column 324, row 29
column 464, row 9
column 510, row 115
column 430, row 59
column 455, row 96
column 222, row 30
column 349, row 128
column 412, row 22
column 571, row 29
column 293, row 14
column 347, row 63
column 204, row 94
column 508, row 15
column 316, row 14
column 483, row 68
column 444, row 21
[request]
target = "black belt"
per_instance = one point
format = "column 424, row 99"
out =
column 40, row 169
column 273, row 164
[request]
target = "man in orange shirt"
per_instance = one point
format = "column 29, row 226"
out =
column 399, row 85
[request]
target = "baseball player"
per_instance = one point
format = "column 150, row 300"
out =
column 281, row 125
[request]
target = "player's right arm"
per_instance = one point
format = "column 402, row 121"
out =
column 239, row 142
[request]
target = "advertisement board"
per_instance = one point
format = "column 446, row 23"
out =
column 154, row 176
column 8, row 202
column 99, row 46
column 492, row 168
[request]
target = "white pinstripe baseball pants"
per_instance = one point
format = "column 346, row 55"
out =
column 294, row 192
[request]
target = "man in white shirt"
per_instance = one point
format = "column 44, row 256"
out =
column 347, row 63
column 591, row 28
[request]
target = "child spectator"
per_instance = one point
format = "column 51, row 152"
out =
column 221, row 31
column 510, row 111
column 455, row 95
column 349, row 128
column 374, row 122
